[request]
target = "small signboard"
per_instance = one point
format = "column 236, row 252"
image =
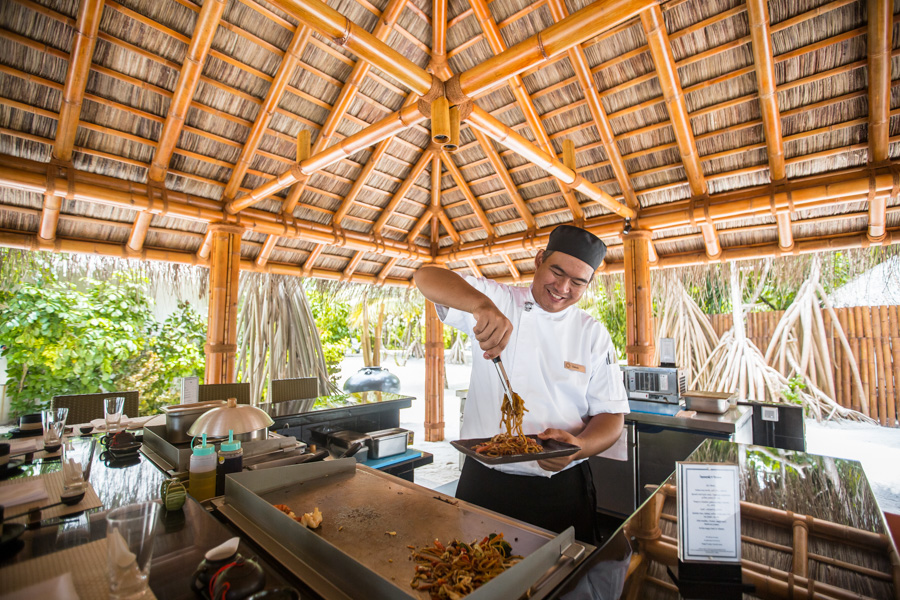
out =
column 190, row 390
column 709, row 512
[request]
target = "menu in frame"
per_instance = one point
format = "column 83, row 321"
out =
column 709, row 512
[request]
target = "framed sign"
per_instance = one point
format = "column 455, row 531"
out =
column 709, row 512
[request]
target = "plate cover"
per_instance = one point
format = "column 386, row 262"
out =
column 552, row 449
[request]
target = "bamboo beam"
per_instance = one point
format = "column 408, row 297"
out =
column 638, row 298
column 341, row 31
column 552, row 41
column 351, row 266
column 224, row 274
column 467, row 193
column 386, row 270
column 526, row 105
column 474, row 267
column 601, row 120
column 503, row 173
column 267, row 110
column 434, row 375
column 513, row 270
column 32, row 176
column 367, row 170
column 493, row 128
column 438, row 64
column 348, row 91
column 880, row 30
column 191, row 69
column 880, row 34
column 390, row 125
column 758, row 12
column 266, row 251
column 661, row 51
column 86, row 28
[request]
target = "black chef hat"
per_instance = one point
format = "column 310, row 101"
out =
column 579, row 243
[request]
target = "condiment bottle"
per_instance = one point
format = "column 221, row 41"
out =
column 202, row 479
column 231, row 460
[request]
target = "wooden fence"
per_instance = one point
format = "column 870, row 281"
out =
column 874, row 336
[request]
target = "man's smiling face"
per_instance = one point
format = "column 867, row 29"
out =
column 559, row 280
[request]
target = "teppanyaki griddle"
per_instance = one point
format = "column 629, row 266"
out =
column 370, row 519
column 552, row 449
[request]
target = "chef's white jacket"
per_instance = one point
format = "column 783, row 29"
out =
column 562, row 364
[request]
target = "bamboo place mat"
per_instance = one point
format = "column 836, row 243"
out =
column 86, row 563
column 53, row 483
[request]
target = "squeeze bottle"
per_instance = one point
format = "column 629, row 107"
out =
column 202, row 478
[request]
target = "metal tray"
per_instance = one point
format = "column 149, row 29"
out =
column 360, row 550
column 552, row 449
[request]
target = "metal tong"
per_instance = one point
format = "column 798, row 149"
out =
column 503, row 378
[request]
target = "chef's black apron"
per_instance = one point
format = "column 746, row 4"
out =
column 567, row 499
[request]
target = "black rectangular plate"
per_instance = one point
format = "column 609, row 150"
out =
column 552, row 449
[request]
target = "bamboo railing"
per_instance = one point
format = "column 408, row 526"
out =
column 874, row 336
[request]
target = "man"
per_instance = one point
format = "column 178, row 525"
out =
column 562, row 363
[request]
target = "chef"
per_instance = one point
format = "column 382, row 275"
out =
column 559, row 359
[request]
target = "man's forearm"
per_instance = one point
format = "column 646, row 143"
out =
column 446, row 288
column 600, row 433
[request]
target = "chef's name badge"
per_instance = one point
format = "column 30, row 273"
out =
column 573, row 367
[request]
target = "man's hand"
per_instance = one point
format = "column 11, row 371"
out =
column 492, row 329
column 560, row 462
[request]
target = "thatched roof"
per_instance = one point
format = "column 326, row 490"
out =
column 152, row 149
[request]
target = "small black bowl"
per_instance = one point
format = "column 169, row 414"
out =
column 86, row 429
column 52, row 448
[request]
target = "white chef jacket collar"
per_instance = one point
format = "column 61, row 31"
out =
column 556, row 316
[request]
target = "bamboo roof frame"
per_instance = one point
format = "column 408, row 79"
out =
column 355, row 199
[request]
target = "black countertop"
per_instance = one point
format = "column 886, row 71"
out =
column 664, row 415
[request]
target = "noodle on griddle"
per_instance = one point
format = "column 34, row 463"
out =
column 457, row 569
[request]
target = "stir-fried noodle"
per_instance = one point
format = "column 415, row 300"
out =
column 514, row 440
column 457, row 569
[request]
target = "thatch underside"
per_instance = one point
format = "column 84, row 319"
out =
column 133, row 177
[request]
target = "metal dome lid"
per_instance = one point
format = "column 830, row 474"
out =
column 241, row 418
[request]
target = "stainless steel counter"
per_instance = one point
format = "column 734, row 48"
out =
column 664, row 415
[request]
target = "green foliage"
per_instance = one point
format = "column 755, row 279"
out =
column 59, row 339
column 331, row 319
column 97, row 335
column 711, row 296
column 175, row 350
column 609, row 309
column 792, row 392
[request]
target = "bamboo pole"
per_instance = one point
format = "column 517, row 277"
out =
column 348, row 90
column 554, row 40
column 463, row 187
column 86, row 28
column 192, row 67
column 481, row 120
column 224, row 269
column 638, row 298
column 503, row 173
column 583, row 74
column 888, row 371
column 881, row 361
column 401, row 192
column 266, row 251
column 453, row 143
column 341, row 31
column 842, row 361
column 870, row 362
column 20, row 174
column 880, row 30
column 661, row 51
column 758, row 12
column 440, row 120
column 800, row 549
column 434, row 375
column 376, row 132
column 894, row 319
column 785, row 233
column 524, row 101
column 267, row 110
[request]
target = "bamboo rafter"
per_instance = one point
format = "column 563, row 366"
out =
column 526, row 105
column 402, row 191
column 758, row 11
column 508, row 184
column 880, row 34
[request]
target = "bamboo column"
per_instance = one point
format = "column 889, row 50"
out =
column 888, row 372
column 224, row 272
column 638, row 301
column 434, row 375
column 86, row 28
column 894, row 320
